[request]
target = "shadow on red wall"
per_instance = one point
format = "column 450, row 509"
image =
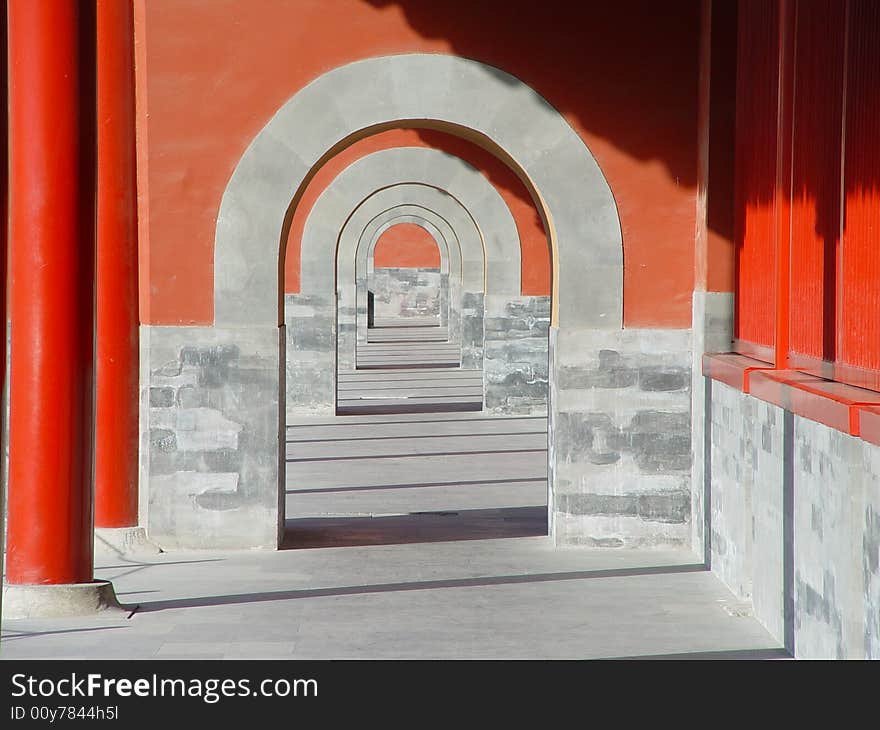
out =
column 630, row 40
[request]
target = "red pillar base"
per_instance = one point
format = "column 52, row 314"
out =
column 60, row 600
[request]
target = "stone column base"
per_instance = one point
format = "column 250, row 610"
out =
column 29, row 600
column 124, row 541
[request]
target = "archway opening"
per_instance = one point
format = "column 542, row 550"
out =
column 498, row 112
column 405, row 349
column 459, row 408
column 404, row 279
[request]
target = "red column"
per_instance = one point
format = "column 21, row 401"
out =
column 4, row 183
column 51, row 298
column 116, row 427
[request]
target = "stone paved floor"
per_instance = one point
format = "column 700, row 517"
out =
column 420, row 536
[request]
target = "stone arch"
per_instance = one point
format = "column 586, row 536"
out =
column 450, row 257
column 310, row 388
column 449, row 279
column 443, row 211
column 337, row 209
column 429, row 228
column 495, row 110
column 458, row 225
column 375, row 237
column 460, row 95
column 419, row 215
column 484, row 226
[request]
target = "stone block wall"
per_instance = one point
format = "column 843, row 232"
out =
column 407, row 292
column 712, row 314
column 870, row 553
column 310, row 362
column 472, row 330
column 795, row 524
column 830, row 515
column 745, row 500
column 620, row 437
column 515, row 364
column 210, row 437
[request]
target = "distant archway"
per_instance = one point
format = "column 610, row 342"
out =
column 484, row 227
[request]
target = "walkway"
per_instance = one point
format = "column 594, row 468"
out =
column 408, row 368
column 419, row 538
column 399, row 344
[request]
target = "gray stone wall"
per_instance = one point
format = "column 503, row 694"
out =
column 515, row 370
column 795, row 524
column 310, row 364
column 870, row 553
column 746, row 500
column 620, row 444
column 210, row 458
column 828, row 525
column 406, row 292
column 770, row 498
column 472, row 330
column 713, row 332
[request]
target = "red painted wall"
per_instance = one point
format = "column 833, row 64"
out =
column 406, row 245
column 718, row 265
column 212, row 72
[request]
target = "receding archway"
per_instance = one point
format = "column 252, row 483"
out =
column 449, row 270
column 466, row 253
column 425, row 252
column 466, row 98
column 331, row 233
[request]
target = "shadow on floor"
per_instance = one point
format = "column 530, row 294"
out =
column 412, row 455
column 384, row 410
column 133, row 565
column 13, row 634
column 477, row 582
column 416, row 527
column 410, row 485
column 779, row 653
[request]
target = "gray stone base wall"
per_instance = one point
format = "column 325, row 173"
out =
column 795, row 524
column 829, row 523
column 620, row 437
column 713, row 332
column 870, row 553
column 472, row 334
column 406, row 292
column 745, row 499
column 310, row 364
column 210, row 458
column 515, row 373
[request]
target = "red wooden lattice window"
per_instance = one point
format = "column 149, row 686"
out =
column 817, row 116
column 755, row 170
column 808, row 186
column 858, row 321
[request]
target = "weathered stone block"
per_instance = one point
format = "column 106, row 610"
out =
column 161, row 397
column 211, row 473
column 620, row 420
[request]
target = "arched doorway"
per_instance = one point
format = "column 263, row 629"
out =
column 462, row 97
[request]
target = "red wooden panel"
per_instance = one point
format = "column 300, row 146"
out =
column 755, row 155
column 859, row 301
column 816, row 177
